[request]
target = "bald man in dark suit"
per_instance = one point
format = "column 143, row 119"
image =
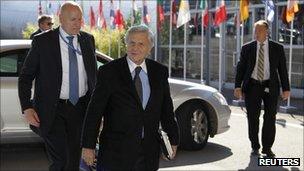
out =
column 62, row 62
column 260, row 72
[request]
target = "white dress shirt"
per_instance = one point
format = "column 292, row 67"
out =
column 266, row 61
column 144, row 79
column 83, row 87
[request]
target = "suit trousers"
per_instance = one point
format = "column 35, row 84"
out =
column 254, row 96
column 63, row 139
column 140, row 164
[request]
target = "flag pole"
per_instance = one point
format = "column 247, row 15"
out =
column 238, row 45
column 155, row 42
column 132, row 18
column 242, row 33
column 220, row 57
column 290, row 60
column 202, row 50
column 266, row 9
column 119, row 33
column 170, row 41
column 119, row 44
column 156, row 36
column 185, row 52
column 110, row 41
column 142, row 12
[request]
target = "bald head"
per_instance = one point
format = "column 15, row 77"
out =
column 261, row 30
column 70, row 17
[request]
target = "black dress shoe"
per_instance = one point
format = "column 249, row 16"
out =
column 268, row 153
column 255, row 152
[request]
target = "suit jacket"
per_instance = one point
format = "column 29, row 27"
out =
column 277, row 65
column 115, row 98
column 35, row 33
column 43, row 64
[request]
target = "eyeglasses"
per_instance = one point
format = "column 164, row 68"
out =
column 50, row 24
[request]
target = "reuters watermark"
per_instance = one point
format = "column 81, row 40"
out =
column 279, row 162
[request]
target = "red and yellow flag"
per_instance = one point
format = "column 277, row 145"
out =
column 292, row 8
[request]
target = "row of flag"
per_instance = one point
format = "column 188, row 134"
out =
column 116, row 17
column 97, row 18
column 184, row 16
column 221, row 14
column 287, row 16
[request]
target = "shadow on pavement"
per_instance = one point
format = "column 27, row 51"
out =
column 212, row 152
column 281, row 122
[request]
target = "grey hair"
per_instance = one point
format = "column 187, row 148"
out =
column 142, row 29
column 262, row 23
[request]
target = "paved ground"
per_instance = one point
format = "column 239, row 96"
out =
column 227, row 151
column 231, row 150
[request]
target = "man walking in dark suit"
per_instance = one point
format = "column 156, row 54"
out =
column 132, row 95
column 45, row 22
column 260, row 71
column 62, row 62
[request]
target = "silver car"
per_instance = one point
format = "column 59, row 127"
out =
column 201, row 111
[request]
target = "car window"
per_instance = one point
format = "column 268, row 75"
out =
column 101, row 60
column 99, row 64
column 11, row 62
column 8, row 64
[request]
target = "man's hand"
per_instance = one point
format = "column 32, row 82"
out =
column 174, row 149
column 88, row 156
column 285, row 95
column 32, row 117
column 238, row 93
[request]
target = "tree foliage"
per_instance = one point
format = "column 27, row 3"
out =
column 106, row 40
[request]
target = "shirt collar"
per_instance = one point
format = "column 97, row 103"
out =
column 132, row 65
column 65, row 34
column 265, row 42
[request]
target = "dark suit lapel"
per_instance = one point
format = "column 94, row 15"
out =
column 127, row 78
column 57, row 52
column 83, row 47
column 254, row 54
column 152, row 81
column 270, row 54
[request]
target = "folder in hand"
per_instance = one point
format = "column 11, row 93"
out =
column 165, row 144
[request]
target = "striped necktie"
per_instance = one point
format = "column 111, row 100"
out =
column 260, row 73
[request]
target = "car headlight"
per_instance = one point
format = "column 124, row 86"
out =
column 220, row 98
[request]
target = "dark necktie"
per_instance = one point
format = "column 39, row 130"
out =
column 137, row 83
column 260, row 74
column 73, row 73
column 138, row 86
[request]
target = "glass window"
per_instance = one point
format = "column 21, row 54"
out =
column 8, row 63
column 193, row 67
column 11, row 62
column 177, row 62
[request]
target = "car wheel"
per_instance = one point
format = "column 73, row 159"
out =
column 193, row 124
